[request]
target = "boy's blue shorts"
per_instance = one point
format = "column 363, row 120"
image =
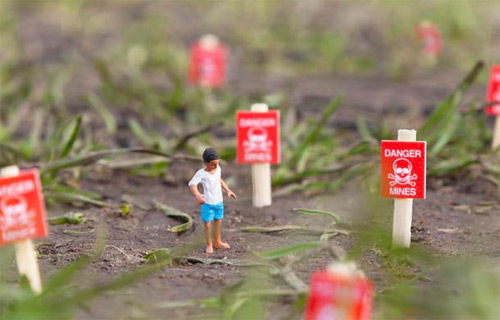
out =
column 212, row 211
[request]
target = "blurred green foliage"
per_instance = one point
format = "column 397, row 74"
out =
column 83, row 80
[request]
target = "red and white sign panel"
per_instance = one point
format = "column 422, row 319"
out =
column 334, row 297
column 403, row 169
column 258, row 137
column 22, row 209
column 431, row 38
column 207, row 65
column 493, row 93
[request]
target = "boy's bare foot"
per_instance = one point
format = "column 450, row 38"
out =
column 221, row 245
column 209, row 249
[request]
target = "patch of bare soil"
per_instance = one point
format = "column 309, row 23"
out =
column 454, row 220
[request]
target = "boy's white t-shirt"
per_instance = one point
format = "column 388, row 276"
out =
column 211, row 183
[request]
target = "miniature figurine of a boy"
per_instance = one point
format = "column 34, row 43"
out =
column 212, row 207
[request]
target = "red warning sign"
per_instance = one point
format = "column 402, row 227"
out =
column 22, row 210
column 335, row 297
column 257, row 137
column 403, row 169
column 207, row 65
column 493, row 93
column 429, row 34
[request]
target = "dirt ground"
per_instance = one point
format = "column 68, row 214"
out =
column 452, row 221
column 459, row 218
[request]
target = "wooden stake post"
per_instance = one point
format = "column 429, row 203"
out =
column 23, row 199
column 261, row 173
column 403, row 178
column 258, row 144
column 496, row 134
column 403, row 208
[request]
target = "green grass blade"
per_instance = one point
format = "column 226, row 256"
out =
column 36, row 130
column 159, row 255
column 184, row 139
column 172, row 212
column 258, row 229
column 446, row 135
column 297, row 177
column 442, row 115
column 89, row 158
column 451, row 165
column 364, row 132
column 72, row 197
column 311, row 212
column 275, row 254
column 72, row 138
column 78, row 232
column 114, row 284
column 139, row 132
column 62, row 277
column 313, row 135
column 70, row 218
column 106, row 115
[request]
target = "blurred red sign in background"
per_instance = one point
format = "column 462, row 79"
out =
column 207, row 66
column 431, row 37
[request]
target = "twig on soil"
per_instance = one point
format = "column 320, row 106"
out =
column 134, row 259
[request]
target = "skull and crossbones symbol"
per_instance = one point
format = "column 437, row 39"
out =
column 257, row 141
column 402, row 173
column 15, row 213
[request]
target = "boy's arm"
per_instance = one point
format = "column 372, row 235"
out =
column 226, row 188
column 199, row 197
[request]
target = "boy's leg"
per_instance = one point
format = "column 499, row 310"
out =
column 208, row 236
column 217, row 235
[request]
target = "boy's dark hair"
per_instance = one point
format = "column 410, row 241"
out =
column 210, row 154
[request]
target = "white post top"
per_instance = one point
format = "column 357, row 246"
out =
column 345, row 269
column 259, row 107
column 209, row 41
column 10, row 171
column 407, row 135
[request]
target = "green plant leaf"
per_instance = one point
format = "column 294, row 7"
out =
column 72, row 138
column 172, row 212
column 312, row 212
column 91, row 157
column 313, row 134
column 103, row 110
column 275, row 254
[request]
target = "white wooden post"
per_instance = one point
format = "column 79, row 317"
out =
column 27, row 263
column 403, row 208
column 261, row 173
column 496, row 134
